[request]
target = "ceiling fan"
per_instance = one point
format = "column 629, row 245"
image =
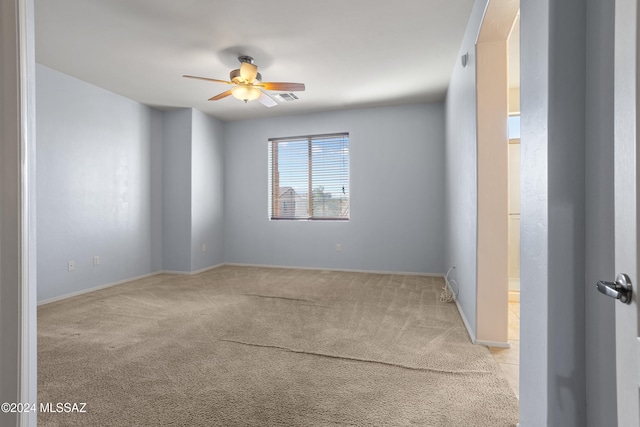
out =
column 248, row 84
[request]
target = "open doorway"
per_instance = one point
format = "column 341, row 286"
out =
column 498, row 260
column 513, row 149
column 510, row 359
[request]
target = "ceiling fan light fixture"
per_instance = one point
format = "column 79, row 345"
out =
column 246, row 92
column 248, row 85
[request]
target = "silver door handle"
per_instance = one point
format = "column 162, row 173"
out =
column 620, row 289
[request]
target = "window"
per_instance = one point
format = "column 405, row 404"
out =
column 514, row 126
column 309, row 177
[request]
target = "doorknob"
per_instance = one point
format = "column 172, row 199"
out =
column 621, row 289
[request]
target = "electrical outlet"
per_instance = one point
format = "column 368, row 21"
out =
column 71, row 265
column 96, row 260
column 204, row 247
column 338, row 247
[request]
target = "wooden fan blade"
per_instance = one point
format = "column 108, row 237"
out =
column 266, row 100
column 248, row 72
column 287, row 87
column 220, row 96
column 208, row 79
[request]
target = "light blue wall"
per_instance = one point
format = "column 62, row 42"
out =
column 192, row 191
column 599, row 216
column 552, row 310
column 93, row 185
column 566, row 214
column 140, row 188
column 397, row 201
column 156, row 159
column 534, row 239
column 207, row 191
column 462, row 172
column 176, row 190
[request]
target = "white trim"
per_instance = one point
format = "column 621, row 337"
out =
column 498, row 344
column 123, row 281
column 202, row 270
column 27, row 369
column 472, row 335
column 190, row 273
column 96, row 288
column 346, row 270
column 183, row 273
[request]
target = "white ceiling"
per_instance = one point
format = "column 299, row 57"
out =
column 349, row 53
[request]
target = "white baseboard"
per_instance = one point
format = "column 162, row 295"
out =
column 95, row 288
column 202, row 270
column 183, row 273
column 120, row 282
column 191, row 273
column 472, row 335
column 498, row 344
column 346, row 270
column 470, row 332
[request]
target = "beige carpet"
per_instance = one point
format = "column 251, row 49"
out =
column 240, row 346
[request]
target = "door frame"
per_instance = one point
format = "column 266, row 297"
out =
column 18, row 336
column 627, row 20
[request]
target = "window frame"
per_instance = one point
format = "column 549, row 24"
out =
column 274, row 180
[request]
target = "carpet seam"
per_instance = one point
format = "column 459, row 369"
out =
column 354, row 359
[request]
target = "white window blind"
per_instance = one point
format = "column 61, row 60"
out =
column 309, row 177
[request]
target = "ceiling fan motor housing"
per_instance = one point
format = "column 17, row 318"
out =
column 234, row 76
column 245, row 58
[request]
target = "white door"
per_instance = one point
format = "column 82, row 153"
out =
column 626, row 209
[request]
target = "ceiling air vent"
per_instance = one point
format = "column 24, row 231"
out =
column 290, row 96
